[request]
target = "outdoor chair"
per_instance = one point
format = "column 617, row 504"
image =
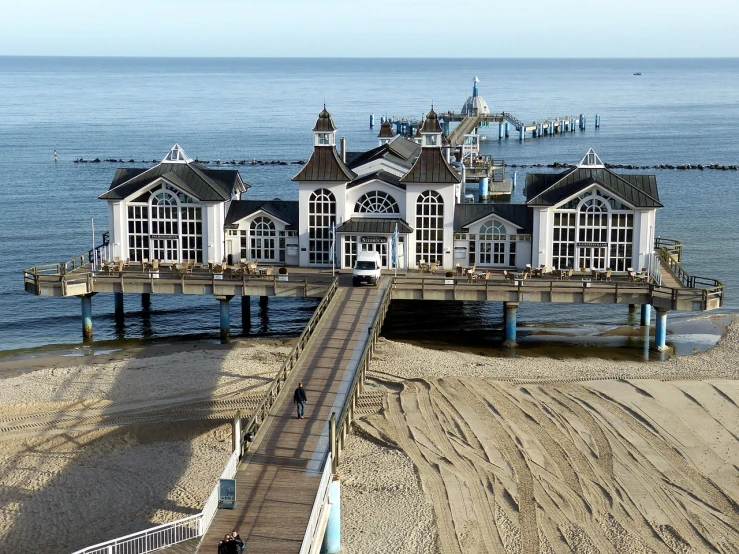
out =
column 251, row 268
column 433, row 267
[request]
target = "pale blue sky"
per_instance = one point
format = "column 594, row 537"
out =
column 371, row 28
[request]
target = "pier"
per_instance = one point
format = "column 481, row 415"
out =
column 287, row 498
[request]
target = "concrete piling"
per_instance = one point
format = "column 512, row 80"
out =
column 332, row 535
column 118, row 304
column 510, row 310
column 646, row 315
column 245, row 314
column 86, row 316
column 225, row 317
column 484, row 191
column 660, row 332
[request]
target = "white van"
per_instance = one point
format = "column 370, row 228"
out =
column 367, row 269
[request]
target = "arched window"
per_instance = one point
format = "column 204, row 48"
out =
column 493, row 243
column 321, row 215
column 592, row 233
column 429, row 227
column 377, row 202
column 262, row 231
column 165, row 228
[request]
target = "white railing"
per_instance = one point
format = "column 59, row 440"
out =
column 313, row 531
column 656, row 269
column 167, row 534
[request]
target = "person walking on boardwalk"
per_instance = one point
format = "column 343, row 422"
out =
column 238, row 540
column 300, row 399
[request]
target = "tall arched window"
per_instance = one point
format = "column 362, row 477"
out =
column 429, row 226
column 492, row 246
column 262, row 232
column 321, row 215
column 165, row 228
column 377, row 202
column 592, row 233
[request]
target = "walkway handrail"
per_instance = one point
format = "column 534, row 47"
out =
column 167, row 534
column 316, row 514
column 250, row 429
column 674, row 246
column 197, row 525
column 346, row 416
column 670, row 252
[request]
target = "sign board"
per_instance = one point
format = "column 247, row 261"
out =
column 460, row 252
column 592, row 244
column 227, row 493
column 292, row 249
column 169, row 237
column 373, row 240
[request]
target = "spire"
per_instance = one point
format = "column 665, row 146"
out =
column 386, row 132
column 324, row 131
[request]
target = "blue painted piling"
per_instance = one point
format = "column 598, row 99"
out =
column 332, row 536
column 225, row 317
column 511, row 308
column 646, row 315
column 507, row 129
column 483, row 188
column 372, row 120
column 660, row 332
column 501, row 131
column 521, row 133
column 86, row 316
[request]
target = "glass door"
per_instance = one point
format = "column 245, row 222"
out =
column 592, row 258
column 382, row 248
column 166, row 250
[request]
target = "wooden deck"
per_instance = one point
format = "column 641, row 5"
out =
column 277, row 484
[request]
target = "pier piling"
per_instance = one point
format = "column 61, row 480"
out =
column 146, row 301
column 484, row 191
column 646, row 315
column 245, row 314
column 332, row 535
column 225, row 317
column 660, row 332
column 118, row 304
column 86, row 316
column 511, row 308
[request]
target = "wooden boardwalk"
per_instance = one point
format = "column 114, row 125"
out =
column 277, row 483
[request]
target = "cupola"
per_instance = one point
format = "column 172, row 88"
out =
column 324, row 132
column 386, row 133
column 431, row 130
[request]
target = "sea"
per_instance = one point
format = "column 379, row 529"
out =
column 676, row 111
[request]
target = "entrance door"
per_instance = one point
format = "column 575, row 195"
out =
column 166, row 250
column 381, row 248
column 592, row 257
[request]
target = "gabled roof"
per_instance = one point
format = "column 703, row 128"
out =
column 374, row 225
column 325, row 164
column 386, row 130
column 204, row 184
column 324, row 123
column 284, row 210
column 379, row 175
column 431, row 167
column 550, row 189
column 467, row 214
column 431, row 123
column 398, row 151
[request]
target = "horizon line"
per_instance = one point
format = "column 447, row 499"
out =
column 471, row 58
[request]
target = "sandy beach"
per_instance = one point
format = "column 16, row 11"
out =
column 473, row 454
column 97, row 447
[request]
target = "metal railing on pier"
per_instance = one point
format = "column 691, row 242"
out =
column 197, row 525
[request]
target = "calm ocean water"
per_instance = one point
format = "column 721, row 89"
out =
column 677, row 111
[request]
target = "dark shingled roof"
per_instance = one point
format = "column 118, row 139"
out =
column 285, row 210
column 518, row 214
column 386, row 130
column 399, row 151
column 543, row 189
column 431, row 167
column 380, row 175
column 431, row 123
column 324, row 123
column 367, row 225
column 202, row 183
column 325, row 164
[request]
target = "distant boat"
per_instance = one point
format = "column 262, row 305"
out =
column 637, row 73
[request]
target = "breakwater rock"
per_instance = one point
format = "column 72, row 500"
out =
column 215, row 162
column 701, row 167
